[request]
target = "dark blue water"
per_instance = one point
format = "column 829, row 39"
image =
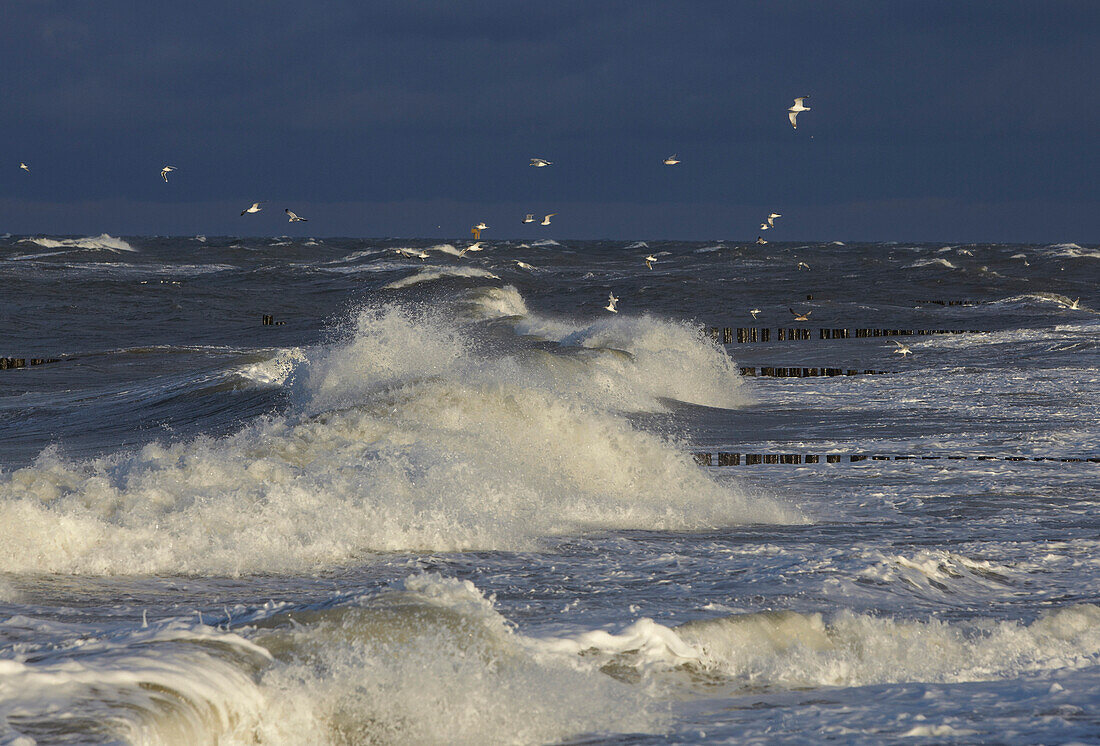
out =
column 452, row 499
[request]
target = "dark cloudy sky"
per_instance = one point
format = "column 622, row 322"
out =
column 938, row 121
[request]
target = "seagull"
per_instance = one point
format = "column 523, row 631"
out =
column 764, row 226
column 649, row 260
column 481, row 226
column 772, row 217
column 472, row 247
column 164, row 172
column 546, row 220
column 540, row 162
column 611, row 301
column 760, row 240
column 529, row 217
column 803, row 265
column 23, row 166
column 671, row 160
column 800, row 316
column 526, row 266
column 412, row 254
column 902, row 350
column 754, row 312
column 1075, row 305
column 793, row 111
column 294, row 218
column 255, row 208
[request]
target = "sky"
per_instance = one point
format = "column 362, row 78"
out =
column 930, row 121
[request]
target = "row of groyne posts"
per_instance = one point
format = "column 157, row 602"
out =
column 726, row 335
column 753, row 459
column 764, row 334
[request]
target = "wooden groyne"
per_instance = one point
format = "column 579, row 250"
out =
column 745, row 334
column 8, row 363
column 774, row 372
column 725, row 458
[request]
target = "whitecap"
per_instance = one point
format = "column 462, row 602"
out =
column 102, row 242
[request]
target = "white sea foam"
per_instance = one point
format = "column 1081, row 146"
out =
column 438, row 273
column 939, row 572
column 404, row 437
column 275, row 370
column 101, row 242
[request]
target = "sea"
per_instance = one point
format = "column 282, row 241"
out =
column 447, row 498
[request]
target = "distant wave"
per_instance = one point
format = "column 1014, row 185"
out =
column 930, row 262
column 1073, row 251
column 102, row 242
column 438, row 273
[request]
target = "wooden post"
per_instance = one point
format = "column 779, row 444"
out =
column 812, row 458
column 832, row 458
column 727, row 335
column 729, row 459
column 703, row 459
column 853, row 458
column 765, row 334
column 752, row 459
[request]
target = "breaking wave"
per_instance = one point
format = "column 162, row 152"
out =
column 411, row 434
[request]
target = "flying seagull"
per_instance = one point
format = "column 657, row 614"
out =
column 481, row 226
column 754, row 312
column 772, row 217
column 255, row 208
column 671, row 160
column 529, row 217
column 472, row 247
column 23, row 166
column 611, row 301
column 546, row 220
column 540, row 162
column 412, row 254
column 526, row 266
column 294, row 218
column 1075, row 305
column 902, row 350
column 164, row 172
column 649, row 260
column 760, row 240
column 800, row 316
column 794, row 110
column 764, row 226
column 803, row 265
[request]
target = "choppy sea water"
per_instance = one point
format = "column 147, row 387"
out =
column 453, row 500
